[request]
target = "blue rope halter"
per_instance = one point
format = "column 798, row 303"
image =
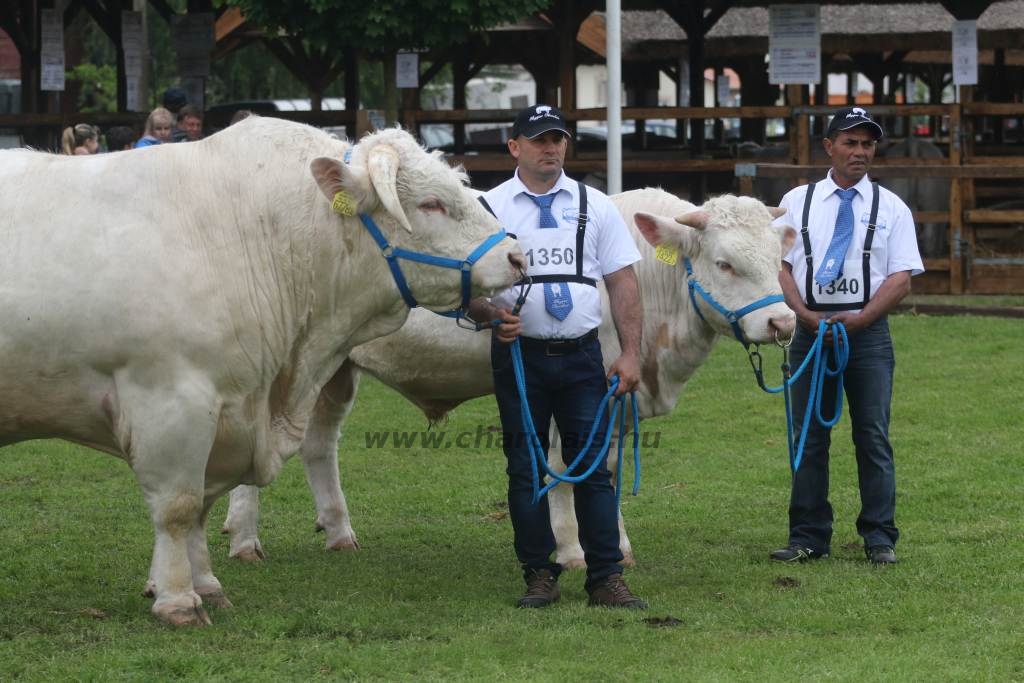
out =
column 393, row 254
column 733, row 317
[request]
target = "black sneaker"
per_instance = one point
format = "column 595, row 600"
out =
column 881, row 554
column 541, row 589
column 796, row 553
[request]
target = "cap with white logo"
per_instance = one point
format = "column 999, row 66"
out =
column 851, row 117
column 537, row 120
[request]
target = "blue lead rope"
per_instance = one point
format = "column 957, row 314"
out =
column 537, row 450
column 818, row 359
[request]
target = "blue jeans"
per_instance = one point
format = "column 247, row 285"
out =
column 568, row 388
column 867, row 383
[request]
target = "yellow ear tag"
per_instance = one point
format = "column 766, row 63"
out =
column 666, row 254
column 344, row 204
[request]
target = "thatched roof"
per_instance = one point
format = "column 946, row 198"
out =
column 654, row 34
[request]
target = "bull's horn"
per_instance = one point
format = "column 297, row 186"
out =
column 776, row 211
column 695, row 219
column 382, row 163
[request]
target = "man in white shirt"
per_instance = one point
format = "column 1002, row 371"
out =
column 853, row 264
column 572, row 236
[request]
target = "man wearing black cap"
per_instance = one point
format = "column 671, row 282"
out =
column 572, row 236
column 852, row 265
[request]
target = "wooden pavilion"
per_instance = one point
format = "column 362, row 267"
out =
column 895, row 44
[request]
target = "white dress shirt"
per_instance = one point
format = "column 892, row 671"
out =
column 608, row 247
column 893, row 249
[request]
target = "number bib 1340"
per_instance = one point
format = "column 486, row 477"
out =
column 848, row 288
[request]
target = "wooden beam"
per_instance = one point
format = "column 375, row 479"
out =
column 296, row 64
column 993, row 216
column 899, row 170
column 436, row 66
column 163, row 9
column 105, row 20
column 228, row 23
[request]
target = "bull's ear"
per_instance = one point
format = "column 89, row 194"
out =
column 658, row 231
column 776, row 211
column 383, row 163
column 788, row 235
column 334, row 177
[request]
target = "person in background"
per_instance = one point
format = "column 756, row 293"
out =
column 158, row 128
column 574, row 237
column 80, row 139
column 174, row 99
column 852, row 266
column 120, row 138
column 190, row 121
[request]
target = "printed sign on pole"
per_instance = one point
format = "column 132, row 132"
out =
column 51, row 53
column 794, row 44
column 407, row 70
column 965, row 52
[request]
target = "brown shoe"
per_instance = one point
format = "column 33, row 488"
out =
column 613, row 592
column 541, row 589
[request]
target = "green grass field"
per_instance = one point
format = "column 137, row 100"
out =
column 430, row 595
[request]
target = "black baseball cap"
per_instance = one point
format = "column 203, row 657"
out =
column 851, row 117
column 537, row 120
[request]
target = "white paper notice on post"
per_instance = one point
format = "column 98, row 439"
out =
column 965, row 52
column 794, row 44
column 51, row 52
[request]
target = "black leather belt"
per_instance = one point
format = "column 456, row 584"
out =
column 557, row 347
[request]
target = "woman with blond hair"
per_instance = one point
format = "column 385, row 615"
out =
column 80, row 139
column 158, row 128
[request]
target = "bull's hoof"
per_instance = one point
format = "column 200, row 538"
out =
column 344, row 544
column 216, row 598
column 149, row 590
column 248, row 552
column 573, row 563
column 628, row 560
column 177, row 615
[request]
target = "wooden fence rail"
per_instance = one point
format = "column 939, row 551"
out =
column 971, row 162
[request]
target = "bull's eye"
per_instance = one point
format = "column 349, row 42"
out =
column 432, row 205
column 724, row 266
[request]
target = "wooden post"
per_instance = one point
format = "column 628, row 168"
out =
column 799, row 129
column 967, row 198
column 363, row 125
column 460, row 75
column 956, row 207
column 567, row 29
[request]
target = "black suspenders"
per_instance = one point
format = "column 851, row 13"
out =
column 581, row 232
column 865, row 254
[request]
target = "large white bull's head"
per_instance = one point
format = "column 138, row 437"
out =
column 421, row 205
column 735, row 253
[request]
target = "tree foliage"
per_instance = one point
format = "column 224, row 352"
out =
column 383, row 26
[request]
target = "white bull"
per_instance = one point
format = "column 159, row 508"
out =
column 181, row 307
column 736, row 254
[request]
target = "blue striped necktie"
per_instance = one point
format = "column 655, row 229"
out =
column 547, row 219
column 832, row 265
column 557, row 298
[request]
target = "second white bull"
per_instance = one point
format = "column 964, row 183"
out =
column 735, row 253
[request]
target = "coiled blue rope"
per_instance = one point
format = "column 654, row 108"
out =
column 537, row 450
column 817, row 359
